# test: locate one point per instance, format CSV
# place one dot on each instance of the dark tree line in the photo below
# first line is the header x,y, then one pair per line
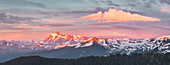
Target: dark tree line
x,y
134,59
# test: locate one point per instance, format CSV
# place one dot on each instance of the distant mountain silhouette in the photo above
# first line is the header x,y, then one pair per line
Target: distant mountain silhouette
x,y
66,46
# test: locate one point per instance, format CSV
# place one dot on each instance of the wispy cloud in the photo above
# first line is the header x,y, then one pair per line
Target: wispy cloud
x,y
113,15
127,27
99,24
165,1
165,10
10,19
14,28
21,3
55,25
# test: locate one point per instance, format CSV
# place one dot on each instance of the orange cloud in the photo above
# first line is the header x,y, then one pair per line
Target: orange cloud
x,y
113,15
119,34
165,10
54,20
70,21
50,19
19,26
89,8
23,35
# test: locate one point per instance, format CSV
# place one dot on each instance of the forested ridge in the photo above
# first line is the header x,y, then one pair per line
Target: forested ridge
x,y
118,59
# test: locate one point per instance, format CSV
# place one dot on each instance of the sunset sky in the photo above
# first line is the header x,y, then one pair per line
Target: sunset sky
x,y
36,19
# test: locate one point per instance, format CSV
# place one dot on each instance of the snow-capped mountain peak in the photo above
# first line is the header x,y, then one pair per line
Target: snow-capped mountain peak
x,y
63,38
164,37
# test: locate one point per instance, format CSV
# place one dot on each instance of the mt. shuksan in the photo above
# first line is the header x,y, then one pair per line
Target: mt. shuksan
x,y
64,39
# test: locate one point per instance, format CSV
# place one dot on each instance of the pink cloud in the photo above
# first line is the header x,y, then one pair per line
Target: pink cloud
x,y
89,8
165,10
113,15
23,35
70,21
19,26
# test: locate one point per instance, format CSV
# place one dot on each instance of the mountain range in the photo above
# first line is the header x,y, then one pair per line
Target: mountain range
x,y
74,46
